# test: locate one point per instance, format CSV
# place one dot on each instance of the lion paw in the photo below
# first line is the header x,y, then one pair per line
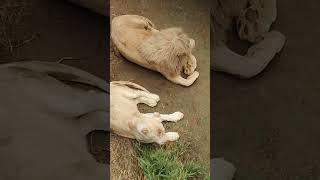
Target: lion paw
x,y
152,103
177,116
193,76
155,97
172,136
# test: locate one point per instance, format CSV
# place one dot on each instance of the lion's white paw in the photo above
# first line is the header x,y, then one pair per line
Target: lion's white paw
x,y
156,98
194,75
177,116
172,136
152,103
278,38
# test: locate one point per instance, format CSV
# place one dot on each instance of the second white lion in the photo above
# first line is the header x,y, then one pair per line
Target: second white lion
x,y
127,121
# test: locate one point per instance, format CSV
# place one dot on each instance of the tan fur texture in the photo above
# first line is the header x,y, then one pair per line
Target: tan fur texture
x,y
168,51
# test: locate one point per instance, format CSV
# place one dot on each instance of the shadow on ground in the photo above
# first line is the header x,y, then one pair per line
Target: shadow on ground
x,y
58,29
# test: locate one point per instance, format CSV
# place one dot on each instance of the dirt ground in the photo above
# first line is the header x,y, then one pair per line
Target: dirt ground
x,y
269,126
193,101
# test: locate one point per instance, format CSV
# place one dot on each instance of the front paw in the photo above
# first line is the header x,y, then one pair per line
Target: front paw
x,y
152,103
156,98
178,116
278,38
193,76
172,136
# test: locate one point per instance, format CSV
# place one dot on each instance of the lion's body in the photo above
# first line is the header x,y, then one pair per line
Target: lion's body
x,y
167,51
128,35
126,120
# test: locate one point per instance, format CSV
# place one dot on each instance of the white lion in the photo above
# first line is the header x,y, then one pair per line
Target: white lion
x,y
252,20
168,51
127,121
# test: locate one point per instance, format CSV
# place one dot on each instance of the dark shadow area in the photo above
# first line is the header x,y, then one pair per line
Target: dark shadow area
x,y
51,30
268,126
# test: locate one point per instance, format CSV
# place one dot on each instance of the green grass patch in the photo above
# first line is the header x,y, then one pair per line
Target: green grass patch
x,y
167,163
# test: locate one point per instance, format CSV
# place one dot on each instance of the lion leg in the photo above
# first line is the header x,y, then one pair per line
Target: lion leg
x,y
130,94
185,82
147,98
142,97
169,136
253,63
174,117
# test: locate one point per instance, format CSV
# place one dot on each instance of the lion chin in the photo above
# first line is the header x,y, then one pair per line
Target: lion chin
x,y
168,51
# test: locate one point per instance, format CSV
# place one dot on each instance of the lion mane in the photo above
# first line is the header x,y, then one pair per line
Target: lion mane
x,y
167,50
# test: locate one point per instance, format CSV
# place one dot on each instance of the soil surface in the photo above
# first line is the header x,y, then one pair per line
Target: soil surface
x,y
269,126
194,101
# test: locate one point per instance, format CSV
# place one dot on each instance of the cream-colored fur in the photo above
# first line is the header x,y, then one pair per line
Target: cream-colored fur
x,y
168,51
127,121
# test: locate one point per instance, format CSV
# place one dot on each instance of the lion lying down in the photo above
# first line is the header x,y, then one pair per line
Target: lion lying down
x,y
168,51
252,20
127,121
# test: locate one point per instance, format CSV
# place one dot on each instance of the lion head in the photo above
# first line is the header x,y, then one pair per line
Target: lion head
x,y
250,25
170,50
